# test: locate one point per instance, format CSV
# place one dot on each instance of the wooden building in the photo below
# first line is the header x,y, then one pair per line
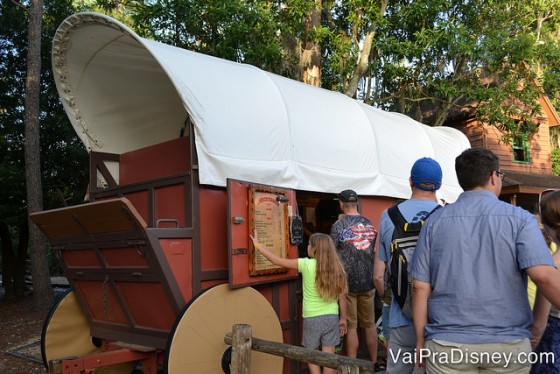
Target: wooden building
x,y
526,162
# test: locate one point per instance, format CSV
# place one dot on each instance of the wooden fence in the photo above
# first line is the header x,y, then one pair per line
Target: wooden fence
x,y
242,342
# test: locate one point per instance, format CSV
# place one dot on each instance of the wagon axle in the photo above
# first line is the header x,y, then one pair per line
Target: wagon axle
x,y
115,356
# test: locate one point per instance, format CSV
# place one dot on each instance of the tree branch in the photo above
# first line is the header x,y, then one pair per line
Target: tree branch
x,y
20,5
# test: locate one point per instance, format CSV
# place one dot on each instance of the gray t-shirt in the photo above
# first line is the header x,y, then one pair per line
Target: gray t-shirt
x,y
473,253
354,237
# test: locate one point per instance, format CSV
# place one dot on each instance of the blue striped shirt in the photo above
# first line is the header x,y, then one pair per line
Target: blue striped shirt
x,y
473,253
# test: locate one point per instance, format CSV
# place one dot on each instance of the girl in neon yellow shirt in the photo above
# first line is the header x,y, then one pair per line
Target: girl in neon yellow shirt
x,y
324,286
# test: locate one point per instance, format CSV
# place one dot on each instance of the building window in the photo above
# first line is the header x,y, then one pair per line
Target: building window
x,y
521,148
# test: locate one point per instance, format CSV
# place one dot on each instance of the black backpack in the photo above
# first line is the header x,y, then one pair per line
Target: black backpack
x,y
403,244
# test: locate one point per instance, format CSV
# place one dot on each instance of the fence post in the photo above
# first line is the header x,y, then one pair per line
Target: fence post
x,y
242,343
346,369
241,349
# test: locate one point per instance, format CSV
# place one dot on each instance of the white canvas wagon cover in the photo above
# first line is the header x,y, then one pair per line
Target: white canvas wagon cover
x,y
123,92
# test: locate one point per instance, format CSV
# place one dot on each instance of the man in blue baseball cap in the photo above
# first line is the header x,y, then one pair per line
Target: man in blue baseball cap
x,y
425,180
470,269
426,174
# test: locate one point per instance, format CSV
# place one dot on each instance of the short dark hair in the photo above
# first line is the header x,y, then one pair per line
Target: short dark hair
x,y
474,166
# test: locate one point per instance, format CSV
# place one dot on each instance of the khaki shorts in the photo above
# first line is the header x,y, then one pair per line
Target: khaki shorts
x,y
448,357
359,309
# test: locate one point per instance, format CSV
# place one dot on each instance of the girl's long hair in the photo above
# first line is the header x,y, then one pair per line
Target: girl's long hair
x,y
330,278
550,210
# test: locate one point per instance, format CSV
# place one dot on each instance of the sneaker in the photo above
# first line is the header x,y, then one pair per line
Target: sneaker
x,y
379,367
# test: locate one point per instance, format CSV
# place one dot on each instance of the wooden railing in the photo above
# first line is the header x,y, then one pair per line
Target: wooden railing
x,y
242,343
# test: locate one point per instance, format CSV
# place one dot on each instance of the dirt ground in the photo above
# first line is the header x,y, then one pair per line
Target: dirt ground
x,y
20,331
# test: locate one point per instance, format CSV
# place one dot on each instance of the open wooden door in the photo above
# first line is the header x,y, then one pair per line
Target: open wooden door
x,y
271,213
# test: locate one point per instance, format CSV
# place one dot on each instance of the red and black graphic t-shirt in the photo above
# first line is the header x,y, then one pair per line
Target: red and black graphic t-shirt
x,y
354,237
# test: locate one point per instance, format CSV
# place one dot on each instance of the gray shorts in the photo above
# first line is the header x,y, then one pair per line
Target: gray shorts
x,y
402,345
321,331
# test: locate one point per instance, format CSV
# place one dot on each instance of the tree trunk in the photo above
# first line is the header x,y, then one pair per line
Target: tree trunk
x,y
42,290
362,66
441,113
311,58
364,56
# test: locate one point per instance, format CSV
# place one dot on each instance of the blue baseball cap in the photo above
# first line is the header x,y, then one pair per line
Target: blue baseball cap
x,y
426,174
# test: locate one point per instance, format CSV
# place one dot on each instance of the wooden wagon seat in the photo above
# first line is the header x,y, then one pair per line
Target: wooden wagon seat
x,y
117,268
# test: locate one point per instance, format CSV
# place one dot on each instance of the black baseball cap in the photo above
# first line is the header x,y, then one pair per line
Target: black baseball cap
x,y
347,196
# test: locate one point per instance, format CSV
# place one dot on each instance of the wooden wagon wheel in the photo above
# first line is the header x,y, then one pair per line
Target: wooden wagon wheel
x,y
66,334
196,343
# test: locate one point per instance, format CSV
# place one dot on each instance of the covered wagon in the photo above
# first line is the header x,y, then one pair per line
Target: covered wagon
x,y
188,155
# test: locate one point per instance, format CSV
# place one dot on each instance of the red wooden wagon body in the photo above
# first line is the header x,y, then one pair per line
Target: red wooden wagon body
x,y
159,258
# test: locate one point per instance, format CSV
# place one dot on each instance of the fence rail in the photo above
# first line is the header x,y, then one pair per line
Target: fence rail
x,y
242,343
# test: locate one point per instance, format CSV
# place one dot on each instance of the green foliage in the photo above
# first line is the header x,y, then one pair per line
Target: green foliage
x,y
427,56
12,72
556,161
442,55
232,29
63,159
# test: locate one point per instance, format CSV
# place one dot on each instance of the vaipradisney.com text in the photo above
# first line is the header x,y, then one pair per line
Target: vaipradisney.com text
x,y
464,356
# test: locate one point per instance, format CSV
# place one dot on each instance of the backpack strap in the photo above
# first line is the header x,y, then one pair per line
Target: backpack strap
x,y
396,216
398,219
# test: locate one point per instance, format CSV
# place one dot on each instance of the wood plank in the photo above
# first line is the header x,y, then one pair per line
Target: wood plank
x,y
105,216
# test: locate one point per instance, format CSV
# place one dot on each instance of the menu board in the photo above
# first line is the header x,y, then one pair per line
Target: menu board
x,y
268,218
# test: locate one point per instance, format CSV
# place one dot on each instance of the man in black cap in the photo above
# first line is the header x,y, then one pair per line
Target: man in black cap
x,y
354,237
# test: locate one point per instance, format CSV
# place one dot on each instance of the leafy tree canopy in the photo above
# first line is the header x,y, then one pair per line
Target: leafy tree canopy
x,y
425,58
63,158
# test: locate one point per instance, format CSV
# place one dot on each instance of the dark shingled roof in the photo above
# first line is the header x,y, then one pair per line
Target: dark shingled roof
x,y
531,180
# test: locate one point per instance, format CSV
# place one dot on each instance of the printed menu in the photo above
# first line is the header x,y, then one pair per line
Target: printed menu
x,y
268,217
